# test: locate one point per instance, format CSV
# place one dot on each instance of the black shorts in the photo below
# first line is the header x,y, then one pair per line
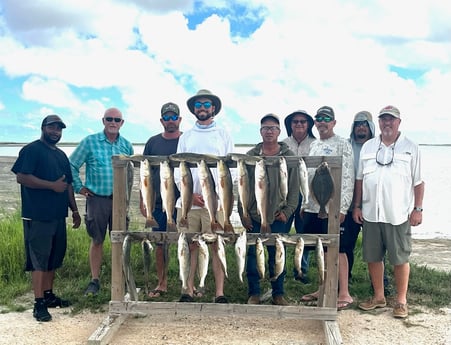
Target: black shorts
x,y
45,244
315,225
349,232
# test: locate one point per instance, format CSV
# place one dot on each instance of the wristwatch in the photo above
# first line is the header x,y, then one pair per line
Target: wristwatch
x,y
419,209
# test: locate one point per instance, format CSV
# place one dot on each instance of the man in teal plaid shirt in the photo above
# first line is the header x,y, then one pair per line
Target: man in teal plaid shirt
x,y
95,152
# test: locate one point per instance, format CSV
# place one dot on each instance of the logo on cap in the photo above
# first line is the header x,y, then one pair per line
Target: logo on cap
x,y
170,107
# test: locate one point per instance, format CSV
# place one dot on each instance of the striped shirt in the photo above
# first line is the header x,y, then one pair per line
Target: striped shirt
x,y
95,151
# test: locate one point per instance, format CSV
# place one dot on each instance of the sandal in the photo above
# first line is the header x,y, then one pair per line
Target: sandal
x,y
221,299
155,293
199,292
343,305
309,297
186,298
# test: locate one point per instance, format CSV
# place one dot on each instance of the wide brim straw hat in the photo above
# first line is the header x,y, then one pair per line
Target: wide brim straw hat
x,y
207,94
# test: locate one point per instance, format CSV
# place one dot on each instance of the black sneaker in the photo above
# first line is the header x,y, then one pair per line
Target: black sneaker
x,y
54,301
93,288
40,312
302,278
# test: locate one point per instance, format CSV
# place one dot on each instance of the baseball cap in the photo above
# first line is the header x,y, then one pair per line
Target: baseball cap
x,y
390,110
49,119
270,117
363,116
170,107
326,111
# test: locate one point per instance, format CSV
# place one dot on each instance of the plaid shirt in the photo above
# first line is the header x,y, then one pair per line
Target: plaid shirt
x,y
95,151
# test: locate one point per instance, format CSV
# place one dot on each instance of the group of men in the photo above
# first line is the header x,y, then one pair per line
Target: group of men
x,y
381,188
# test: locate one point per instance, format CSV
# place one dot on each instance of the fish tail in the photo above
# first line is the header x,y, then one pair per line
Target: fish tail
x,y
228,228
265,229
151,223
183,223
322,214
215,226
171,227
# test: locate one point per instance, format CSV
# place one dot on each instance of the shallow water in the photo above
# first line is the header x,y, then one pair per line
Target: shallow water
x,y
436,167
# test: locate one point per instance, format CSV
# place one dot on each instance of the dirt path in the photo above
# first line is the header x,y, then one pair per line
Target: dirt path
x,y
422,327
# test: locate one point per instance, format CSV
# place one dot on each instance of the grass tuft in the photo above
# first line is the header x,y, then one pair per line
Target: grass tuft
x,y
427,287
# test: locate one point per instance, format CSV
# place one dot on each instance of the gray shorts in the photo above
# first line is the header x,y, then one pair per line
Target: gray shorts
x,y
98,217
45,244
379,238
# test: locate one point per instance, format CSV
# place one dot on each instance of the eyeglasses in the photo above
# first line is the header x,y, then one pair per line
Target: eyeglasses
x,y
206,105
326,119
170,117
390,160
111,119
302,122
270,128
360,124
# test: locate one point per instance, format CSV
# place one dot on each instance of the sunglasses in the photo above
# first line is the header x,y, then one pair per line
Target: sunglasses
x,y
111,119
269,128
170,117
206,105
383,161
326,119
361,124
302,122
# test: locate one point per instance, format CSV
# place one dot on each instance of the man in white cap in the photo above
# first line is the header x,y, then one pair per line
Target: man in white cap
x,y
204,138
388,200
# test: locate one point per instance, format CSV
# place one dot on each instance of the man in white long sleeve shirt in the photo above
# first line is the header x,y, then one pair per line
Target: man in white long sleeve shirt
x,y
204,138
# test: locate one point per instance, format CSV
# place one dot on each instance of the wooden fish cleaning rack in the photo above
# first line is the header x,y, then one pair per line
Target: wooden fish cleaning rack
x,y
120,307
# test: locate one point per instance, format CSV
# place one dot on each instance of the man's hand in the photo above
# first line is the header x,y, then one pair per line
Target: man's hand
x,y
76,220
59,186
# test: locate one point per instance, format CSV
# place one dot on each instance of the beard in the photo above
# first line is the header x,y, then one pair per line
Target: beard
x,y
52,139
203,117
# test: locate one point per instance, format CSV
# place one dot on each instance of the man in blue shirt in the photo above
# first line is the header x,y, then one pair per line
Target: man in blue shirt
x,y
95,152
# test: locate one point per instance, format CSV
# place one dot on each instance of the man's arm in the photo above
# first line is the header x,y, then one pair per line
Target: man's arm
x,y
357,211
31,181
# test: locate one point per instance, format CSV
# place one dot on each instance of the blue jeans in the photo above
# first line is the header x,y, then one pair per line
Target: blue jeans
x,y
253,279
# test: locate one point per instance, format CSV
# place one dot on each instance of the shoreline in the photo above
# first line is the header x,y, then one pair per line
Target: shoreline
x,y
433,252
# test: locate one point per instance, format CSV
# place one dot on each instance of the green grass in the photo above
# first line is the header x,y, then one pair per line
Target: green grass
x,y
427,287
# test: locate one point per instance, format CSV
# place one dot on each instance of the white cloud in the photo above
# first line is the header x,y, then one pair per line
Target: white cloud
x,y
304,55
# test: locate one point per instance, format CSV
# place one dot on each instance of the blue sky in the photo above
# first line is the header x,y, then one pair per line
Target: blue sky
x,y
259,56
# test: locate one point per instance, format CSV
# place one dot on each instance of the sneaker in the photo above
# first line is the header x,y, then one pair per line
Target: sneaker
x,y
279,300
93,288
54,301
40,312
302,278
373,304
254,299
400,311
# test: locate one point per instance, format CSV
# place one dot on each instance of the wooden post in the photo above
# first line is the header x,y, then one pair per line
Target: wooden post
x,y
119,224
331,284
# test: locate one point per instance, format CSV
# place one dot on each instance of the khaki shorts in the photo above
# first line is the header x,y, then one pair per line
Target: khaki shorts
x,y
199,220
379,238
